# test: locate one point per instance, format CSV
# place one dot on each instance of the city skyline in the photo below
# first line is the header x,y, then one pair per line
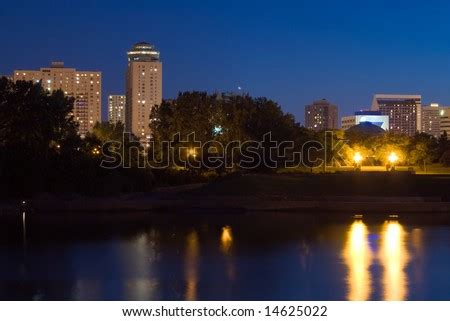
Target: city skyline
x,y
144,84
345,58
111,112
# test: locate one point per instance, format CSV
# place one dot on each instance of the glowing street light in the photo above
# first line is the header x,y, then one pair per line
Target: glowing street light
x,y
357,159
393,158
192,152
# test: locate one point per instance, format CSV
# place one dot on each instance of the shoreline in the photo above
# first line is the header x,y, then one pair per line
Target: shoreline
x,y
229,204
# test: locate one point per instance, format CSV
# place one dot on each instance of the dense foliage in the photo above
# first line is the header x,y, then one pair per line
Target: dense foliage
x,y
221,120
40,150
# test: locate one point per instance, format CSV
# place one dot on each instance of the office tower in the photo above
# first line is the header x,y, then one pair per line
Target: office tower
x,y
404,112
321,115
444,123
430,122
366,116
84,86
116,109
143,88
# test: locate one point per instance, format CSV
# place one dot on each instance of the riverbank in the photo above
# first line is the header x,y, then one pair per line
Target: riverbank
x,y
331,193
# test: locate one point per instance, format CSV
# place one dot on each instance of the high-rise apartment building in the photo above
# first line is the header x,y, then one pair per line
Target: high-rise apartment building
x,y
321,115
116,109
404,112
84,86
143,88
430,120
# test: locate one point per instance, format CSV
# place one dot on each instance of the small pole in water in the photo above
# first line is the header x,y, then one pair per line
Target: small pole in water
x,y
24,227
24,222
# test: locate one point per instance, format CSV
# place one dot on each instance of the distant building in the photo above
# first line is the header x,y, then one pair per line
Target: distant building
x,y
366,116
430,120
321,115
116,109
348,121
404,112
143,88
84,86
444,123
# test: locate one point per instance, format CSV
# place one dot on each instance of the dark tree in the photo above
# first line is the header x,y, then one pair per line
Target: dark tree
x,y
222,118
34,128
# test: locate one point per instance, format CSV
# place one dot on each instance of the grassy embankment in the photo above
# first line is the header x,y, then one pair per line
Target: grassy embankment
x,y
292,185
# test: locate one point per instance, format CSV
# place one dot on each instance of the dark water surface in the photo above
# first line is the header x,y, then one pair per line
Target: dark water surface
x,y
260,257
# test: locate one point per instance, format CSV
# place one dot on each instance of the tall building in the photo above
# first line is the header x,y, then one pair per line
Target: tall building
x,y
366,116
321,115
444,115
430,120
143,88
404,112
116,109
84,86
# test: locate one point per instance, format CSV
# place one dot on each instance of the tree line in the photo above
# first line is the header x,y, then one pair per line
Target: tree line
x,y
41,151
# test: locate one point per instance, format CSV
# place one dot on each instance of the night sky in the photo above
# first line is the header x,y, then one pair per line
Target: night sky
x,y
290,51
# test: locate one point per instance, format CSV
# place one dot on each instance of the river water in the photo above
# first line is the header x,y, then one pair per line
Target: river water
x,y
227,258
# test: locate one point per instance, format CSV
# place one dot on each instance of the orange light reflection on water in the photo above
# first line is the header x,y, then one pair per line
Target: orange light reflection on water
x,y
394,257
191,266
358,258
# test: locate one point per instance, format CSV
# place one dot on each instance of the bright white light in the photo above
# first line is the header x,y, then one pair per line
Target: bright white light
x,y
357,158
393,158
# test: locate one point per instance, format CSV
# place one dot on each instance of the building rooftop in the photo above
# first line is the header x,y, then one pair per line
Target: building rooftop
x,y
367,112
57,64
143,51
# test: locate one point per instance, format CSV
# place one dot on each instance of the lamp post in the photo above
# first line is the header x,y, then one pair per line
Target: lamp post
x,y
392,158
357,159
192,152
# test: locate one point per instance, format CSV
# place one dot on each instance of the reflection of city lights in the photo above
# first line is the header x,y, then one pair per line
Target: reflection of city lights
x,y
226,242
191,270
226,239
143,254
358,257
394,257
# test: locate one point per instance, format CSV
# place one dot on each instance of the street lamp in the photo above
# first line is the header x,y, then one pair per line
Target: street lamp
x,y
393,158
192,152
357,159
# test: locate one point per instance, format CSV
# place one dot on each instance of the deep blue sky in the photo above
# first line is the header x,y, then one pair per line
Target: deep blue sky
x,y
290,51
